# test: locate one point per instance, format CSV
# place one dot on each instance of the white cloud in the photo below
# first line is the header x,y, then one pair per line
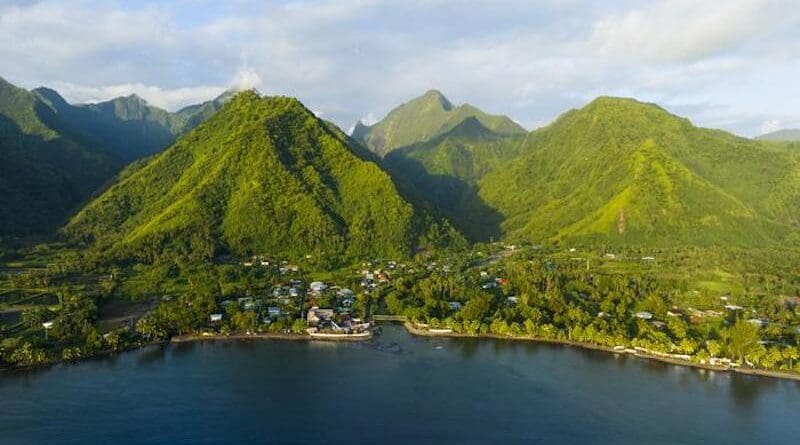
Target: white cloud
x,y
369,119
245,78
770,126
679,30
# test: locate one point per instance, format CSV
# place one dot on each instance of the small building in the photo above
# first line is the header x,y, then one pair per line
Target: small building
x,y
733,307
316,315
644,315
247,303
47,324
454,305
273,311
758,322
215,318
512,300
318,286
676,312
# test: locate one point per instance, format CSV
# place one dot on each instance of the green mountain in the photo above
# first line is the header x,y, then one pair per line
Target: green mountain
x,y
423,118
46,171
621,171
55,154
445,171
781,135
263,175
128,127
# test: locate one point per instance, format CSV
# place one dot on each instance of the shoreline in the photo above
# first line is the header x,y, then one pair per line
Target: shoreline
x,y
413,330
265,336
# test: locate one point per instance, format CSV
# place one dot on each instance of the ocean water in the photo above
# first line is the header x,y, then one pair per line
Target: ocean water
x,y
395,389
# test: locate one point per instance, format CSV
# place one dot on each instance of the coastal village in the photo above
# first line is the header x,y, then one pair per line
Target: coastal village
x,y
480,293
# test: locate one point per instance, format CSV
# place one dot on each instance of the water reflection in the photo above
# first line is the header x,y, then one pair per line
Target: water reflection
x,y
150,355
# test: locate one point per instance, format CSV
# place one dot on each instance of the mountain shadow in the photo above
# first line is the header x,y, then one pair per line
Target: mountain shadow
x,y
450,196
42,180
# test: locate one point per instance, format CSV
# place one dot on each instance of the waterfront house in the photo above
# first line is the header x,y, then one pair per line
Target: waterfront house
x,y
316,315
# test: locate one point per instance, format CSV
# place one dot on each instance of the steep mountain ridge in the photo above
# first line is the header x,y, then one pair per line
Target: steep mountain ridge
x,y
622,171
55,154
263,175
45,173
423,118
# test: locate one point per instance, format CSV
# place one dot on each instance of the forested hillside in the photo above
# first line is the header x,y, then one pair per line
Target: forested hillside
x,y
45,173
625,172
56,154
423,118
262,176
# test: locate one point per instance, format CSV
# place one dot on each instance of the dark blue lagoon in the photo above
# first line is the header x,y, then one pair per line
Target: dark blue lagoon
x,y
395,389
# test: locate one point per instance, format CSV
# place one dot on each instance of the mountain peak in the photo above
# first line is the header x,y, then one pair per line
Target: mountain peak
x,y
436,96
472,128
51,97
187,194
623,114
133,97
424,118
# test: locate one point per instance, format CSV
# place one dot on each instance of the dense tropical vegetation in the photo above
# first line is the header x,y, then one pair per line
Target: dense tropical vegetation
x,y
55,154
262,176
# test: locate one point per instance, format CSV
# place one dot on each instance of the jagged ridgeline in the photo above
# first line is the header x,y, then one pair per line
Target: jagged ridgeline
x,y
423,118
44,171
624,172
262,176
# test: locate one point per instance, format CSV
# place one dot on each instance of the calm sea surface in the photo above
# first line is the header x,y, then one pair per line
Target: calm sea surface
x,y
396,389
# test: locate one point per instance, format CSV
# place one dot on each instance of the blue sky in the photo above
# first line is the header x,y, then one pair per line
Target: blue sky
x,y
726,64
